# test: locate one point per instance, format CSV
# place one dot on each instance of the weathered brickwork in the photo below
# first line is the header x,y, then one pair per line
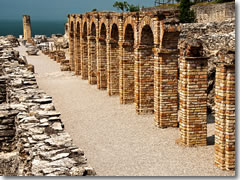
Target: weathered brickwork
x,y
92,61
116,49
136,56
225,116
84,51
193,95
71,45
77,51
102,65
166,89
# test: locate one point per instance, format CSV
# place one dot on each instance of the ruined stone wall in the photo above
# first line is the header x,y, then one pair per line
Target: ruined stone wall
x,y
214,36
204,13
214,12
33,141
3,90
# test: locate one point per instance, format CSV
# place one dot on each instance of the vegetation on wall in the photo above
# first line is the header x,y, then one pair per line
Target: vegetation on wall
x,y
186,14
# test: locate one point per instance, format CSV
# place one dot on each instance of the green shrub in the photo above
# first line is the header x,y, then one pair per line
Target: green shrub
x,y
186,14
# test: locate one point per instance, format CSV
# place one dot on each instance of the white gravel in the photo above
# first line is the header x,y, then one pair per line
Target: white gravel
x,y
117,141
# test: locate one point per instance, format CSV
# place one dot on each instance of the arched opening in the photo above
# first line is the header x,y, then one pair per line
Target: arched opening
x,y
92,63
127,67
102,60
84,62
71,46
113,62
78,52
145,73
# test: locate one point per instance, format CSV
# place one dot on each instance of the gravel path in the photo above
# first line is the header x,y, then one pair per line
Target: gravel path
x,y
116,141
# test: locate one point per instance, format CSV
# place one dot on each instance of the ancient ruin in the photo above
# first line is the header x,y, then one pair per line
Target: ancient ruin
x,y
182,74
33,141
135,56
27,28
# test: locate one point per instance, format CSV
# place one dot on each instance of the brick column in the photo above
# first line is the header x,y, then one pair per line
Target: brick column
x,y
113,68
144,80
225,117
84,61
77,55
127,74
166,88
92,60
193,94
102,65
71,48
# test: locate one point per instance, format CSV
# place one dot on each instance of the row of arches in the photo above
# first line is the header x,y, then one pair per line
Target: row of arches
x,y
113,62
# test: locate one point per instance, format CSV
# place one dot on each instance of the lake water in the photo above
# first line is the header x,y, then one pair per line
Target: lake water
x,y
15,27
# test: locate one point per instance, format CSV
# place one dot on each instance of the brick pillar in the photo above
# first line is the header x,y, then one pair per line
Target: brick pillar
x,y
225,117
166,88
144,80
78,65
127,74
71,48
102,65
74,44
76,53
193,94
113,69
84,61
92,60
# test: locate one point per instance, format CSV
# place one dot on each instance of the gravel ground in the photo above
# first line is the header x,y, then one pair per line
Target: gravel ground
x,y
117,141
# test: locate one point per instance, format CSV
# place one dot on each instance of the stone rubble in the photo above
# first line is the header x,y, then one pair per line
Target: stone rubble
x,y
32,137
214,36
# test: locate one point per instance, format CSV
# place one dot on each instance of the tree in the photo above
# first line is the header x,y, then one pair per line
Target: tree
x,y
121,5
186,14
125,6
94,9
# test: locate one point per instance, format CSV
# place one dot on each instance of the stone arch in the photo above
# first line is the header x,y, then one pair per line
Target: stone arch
x,y
71,26
102,59
147,22
113,61
147,38
127,67
129,21
84,62
84,30
114,33
92,61
145,72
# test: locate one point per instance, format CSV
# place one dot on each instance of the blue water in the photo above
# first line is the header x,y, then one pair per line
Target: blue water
x,y
15,27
